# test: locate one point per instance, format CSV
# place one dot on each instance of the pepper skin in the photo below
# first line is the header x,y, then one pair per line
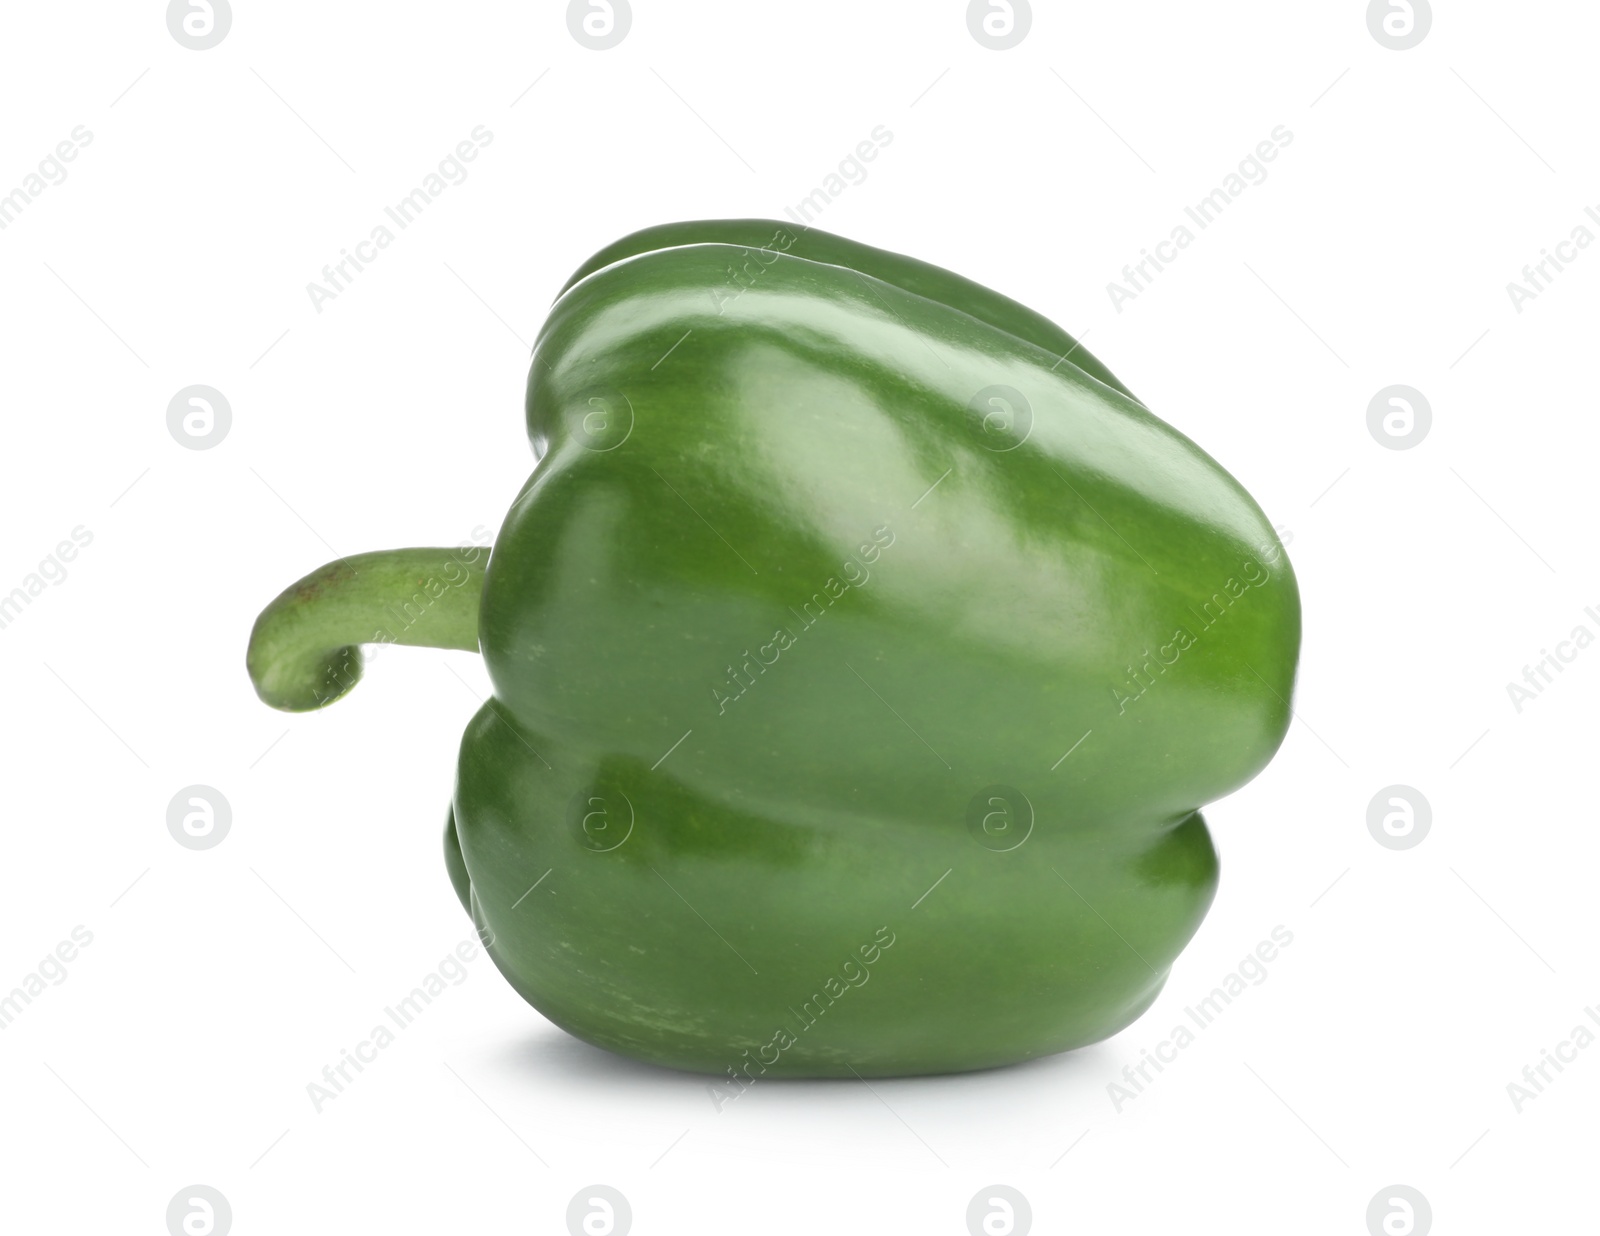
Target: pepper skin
x,y
862,652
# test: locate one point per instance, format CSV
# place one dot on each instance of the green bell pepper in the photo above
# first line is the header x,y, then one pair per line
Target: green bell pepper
x,y
862,650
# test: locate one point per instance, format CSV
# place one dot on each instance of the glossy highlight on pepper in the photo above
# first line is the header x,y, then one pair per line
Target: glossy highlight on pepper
x,y
863,651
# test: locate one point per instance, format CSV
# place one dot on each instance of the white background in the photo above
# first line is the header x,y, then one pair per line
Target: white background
x,y
1420,982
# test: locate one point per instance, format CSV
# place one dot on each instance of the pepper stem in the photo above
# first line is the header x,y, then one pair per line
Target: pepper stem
x,y
305,647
